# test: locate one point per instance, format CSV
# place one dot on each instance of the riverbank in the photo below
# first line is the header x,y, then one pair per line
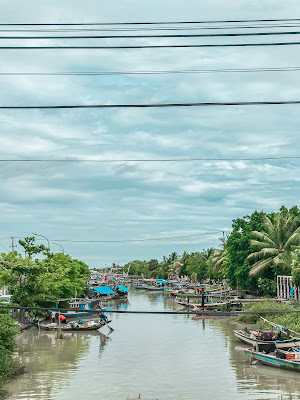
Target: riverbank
x,y
289,320
10,367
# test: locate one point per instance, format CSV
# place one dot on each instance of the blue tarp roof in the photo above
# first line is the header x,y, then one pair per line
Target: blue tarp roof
x,y
103,290
123,288
161,281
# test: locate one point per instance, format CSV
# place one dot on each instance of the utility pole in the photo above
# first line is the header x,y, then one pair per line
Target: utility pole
x,y
13,245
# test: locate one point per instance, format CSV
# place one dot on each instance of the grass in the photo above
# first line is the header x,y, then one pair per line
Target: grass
x,y
289,320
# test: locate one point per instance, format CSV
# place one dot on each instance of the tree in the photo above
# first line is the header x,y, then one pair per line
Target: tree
x,y
31,248
238,246
42,282
275,243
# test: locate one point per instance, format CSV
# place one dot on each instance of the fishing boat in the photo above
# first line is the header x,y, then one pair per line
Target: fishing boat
x,y
267,354
70,327
253,337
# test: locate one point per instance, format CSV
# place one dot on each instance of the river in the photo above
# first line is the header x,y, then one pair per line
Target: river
x,y
160,356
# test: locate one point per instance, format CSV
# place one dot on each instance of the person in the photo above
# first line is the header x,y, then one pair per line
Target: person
x,y
62,319
53,316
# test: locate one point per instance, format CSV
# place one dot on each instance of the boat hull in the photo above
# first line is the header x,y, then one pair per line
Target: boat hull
x,y
67,328
270,360
284,344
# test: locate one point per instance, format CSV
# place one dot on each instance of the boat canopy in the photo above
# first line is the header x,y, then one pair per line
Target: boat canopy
x,y
123,288
103,290
161,281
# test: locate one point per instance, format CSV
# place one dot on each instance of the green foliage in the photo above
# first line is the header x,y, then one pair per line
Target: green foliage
x,y
42,282
198,265
274,244
8,366
290,320
238,246
31,248
296,276
267,286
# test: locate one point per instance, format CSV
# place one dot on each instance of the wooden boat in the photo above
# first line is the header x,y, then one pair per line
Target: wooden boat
x,y
155,289
276,358
254,337
72,327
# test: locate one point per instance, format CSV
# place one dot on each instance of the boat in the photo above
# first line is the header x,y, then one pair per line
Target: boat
x,y
253,337
267,354
70,327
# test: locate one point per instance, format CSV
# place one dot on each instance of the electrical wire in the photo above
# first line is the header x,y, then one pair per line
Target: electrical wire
x,y
133,240
177,160
188,71
201,35
153,105
154,22
188,28
200,312
4,247
148,46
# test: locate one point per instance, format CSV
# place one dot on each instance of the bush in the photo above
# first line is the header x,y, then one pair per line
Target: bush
x,y
290,320
9,367
296,276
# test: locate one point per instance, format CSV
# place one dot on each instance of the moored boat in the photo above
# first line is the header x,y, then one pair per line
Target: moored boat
x,y
254,337
269,355
70,327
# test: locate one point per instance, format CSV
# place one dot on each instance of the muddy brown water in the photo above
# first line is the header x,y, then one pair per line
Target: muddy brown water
x,y
159,356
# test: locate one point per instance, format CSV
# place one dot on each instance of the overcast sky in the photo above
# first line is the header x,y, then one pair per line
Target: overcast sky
x,y
120,201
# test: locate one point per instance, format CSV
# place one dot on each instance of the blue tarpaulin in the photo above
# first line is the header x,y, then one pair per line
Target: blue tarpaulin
x,y
161,281
123,288
103,290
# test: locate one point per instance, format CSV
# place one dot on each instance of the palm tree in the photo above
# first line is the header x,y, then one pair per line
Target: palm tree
x,y
275,244
219,257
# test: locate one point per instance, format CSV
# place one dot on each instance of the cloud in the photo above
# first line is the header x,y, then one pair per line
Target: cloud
x,y
140,200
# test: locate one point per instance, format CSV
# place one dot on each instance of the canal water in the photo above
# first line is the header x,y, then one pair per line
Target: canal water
x,y
159,356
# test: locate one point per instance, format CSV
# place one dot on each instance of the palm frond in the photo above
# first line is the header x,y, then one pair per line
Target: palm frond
x,y
293,240
259,245
260,266
264,237
257,255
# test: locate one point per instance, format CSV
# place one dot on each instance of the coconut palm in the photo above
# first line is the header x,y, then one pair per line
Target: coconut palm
x,y
219,257
275,244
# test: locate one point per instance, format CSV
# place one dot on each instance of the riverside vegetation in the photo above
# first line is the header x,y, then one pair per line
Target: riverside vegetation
x,y
34,282
259,247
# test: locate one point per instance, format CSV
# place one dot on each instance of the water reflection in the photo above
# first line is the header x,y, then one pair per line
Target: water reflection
x,y
49,361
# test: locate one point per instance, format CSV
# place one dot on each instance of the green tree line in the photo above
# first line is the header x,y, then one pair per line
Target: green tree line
x,y
259,247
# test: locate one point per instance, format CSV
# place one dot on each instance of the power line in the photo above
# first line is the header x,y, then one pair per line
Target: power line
x,y
148,46
4,247
198,312
154,105
150,160
186,28
179,35
135,240
153,22
188,71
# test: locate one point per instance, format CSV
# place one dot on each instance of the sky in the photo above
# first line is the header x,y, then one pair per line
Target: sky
x,y
89,202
